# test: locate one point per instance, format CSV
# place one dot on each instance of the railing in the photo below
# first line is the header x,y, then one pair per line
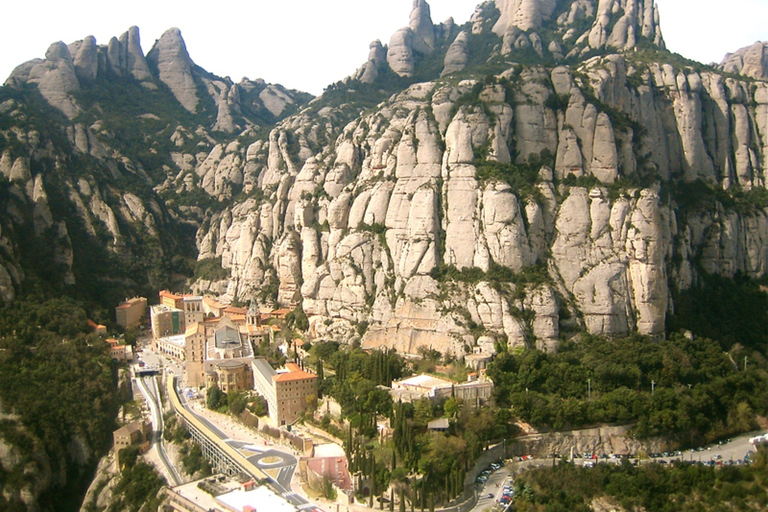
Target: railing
x,y
228,455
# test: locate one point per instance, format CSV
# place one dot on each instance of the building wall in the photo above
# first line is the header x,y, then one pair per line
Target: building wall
x,y
167,347
195,356
131,312
266,388
167,321
292,399
117,352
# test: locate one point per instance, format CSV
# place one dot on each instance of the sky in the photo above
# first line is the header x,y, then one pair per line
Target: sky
x,y
309,44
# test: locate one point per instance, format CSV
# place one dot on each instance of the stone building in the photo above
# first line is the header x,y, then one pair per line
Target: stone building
x,y
131,312
476,391
229,375
286,391
128,435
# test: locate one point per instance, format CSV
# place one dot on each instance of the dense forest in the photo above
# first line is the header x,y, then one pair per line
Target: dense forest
x,y
58,388
653,487
686,388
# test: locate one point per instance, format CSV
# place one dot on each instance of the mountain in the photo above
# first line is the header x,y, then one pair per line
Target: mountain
x,y
99,149
545,170
556,136
751,61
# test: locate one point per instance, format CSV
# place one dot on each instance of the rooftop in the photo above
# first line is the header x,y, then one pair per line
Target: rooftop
x,y
439,424
132,302
260,498
264,368
425,381
179,340
198,328
229,363
213,303
134,426
162,308
227,337
291,375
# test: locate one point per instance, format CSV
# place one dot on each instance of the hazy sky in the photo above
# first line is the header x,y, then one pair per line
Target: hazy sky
x,y
308,44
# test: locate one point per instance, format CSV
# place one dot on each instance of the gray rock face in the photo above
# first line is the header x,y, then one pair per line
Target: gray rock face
x,y
170,57
522,14
619,24
377,58
422,27
55,78
400,53
751,61
457,55
363,224
86,59
419,37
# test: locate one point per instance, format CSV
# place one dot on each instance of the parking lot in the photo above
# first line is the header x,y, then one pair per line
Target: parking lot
x,y
496,487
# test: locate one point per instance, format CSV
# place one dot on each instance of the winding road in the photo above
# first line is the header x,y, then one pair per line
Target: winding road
x,y
266,460
148,388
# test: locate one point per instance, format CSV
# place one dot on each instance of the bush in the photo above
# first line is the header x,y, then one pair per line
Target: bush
x,y
210,269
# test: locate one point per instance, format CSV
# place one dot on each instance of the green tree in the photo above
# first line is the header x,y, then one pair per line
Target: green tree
x,y
215,398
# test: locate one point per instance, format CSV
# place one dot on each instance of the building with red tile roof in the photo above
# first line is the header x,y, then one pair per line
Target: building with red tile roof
x,y
286,392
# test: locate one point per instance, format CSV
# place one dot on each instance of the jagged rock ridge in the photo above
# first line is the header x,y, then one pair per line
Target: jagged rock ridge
x,y
561,175
359,228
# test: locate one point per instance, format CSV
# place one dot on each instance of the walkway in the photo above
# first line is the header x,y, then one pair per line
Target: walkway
x,y
270,465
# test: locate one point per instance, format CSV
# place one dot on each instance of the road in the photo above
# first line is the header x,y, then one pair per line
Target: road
x,y
148,388
490,492
266,459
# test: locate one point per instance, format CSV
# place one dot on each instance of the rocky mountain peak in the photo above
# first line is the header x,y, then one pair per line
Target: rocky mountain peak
x,y
618,24
169,56
523,14
751,61
421,25
554,31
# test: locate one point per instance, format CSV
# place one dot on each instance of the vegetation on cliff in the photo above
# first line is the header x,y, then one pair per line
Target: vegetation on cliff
x,y
678,488
59,385
687,389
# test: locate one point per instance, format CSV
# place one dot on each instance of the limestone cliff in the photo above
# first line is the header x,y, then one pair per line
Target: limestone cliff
x,y
88,187
559,189
545,168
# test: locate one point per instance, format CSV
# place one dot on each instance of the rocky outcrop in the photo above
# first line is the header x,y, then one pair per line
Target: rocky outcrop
x,y
606,440
522,206
400,52
522,14
422,27
169,56
457,55
418,37
427,182
751,61
377,59
67,68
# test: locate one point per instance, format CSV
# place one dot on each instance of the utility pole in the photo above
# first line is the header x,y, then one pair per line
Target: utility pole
x,y
653,386
745,363
589,389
